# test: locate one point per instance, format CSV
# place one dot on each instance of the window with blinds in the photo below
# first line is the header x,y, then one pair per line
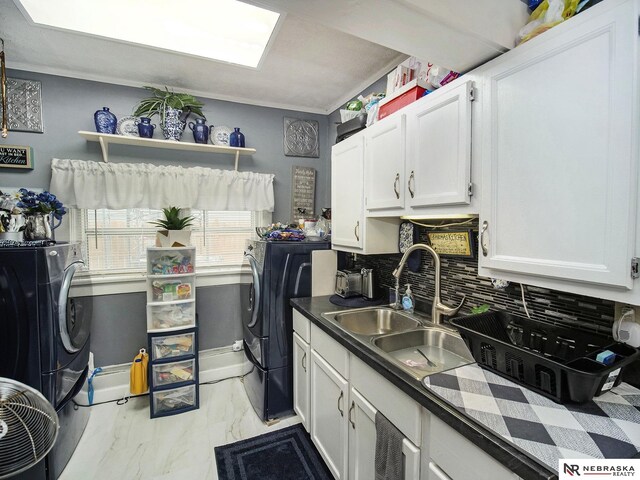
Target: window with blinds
x,y
115,241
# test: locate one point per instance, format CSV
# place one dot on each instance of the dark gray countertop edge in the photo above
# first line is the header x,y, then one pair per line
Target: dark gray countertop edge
x,y
505,453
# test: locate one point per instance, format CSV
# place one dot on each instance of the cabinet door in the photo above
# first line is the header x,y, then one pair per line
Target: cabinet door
x,y
362,443
362,438
439,148
560,156
329,403
347,162
301,379
384,164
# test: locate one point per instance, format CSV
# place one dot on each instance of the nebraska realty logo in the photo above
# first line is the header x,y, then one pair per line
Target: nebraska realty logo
x,y
592,468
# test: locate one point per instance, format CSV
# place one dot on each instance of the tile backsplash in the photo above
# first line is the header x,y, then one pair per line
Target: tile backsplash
x,y
459,276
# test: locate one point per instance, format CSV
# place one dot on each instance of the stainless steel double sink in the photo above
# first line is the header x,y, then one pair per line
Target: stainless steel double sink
x,y
411,342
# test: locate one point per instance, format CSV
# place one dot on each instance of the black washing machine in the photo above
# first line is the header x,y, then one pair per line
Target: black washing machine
x,y
280,271
44,339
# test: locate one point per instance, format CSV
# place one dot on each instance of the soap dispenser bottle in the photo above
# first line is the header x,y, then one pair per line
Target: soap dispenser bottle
x,y
408,302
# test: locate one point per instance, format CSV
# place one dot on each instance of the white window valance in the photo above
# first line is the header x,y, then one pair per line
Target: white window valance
x,y
87,184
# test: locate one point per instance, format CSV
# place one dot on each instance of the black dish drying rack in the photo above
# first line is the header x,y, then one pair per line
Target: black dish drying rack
x,y
555,361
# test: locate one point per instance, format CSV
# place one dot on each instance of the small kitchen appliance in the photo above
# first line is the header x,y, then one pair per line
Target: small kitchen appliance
x,y
348,283
368,283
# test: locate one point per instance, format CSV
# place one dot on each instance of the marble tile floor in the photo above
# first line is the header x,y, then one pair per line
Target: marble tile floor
x,y
123,443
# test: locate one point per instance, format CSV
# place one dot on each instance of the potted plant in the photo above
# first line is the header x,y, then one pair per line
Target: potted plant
x,y
173,109
173,233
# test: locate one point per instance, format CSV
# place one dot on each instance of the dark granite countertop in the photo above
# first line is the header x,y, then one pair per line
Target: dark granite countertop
x,y
522,464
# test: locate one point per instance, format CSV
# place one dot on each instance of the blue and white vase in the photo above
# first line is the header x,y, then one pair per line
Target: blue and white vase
x,y
200,131
173,126
236,139
145,129
106,122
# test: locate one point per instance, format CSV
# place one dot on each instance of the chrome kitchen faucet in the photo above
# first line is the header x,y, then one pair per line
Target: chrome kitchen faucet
x,y
438,309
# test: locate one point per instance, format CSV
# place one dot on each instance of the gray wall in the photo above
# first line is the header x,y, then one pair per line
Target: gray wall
x,y
118,328
68,105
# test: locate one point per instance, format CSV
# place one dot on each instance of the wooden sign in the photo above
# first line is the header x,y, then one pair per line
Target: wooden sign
x,y
303,191
458,243
16,156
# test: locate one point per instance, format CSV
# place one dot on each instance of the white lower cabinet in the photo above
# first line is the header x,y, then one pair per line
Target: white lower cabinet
x,y
362,443
446,463
301,353
329,401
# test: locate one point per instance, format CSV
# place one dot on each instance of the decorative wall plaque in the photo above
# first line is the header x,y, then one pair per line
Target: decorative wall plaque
x,y
24,105
301,138
303,190
458,243
16,156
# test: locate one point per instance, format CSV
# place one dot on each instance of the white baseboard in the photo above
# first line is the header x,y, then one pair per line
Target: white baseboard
x,y
113,382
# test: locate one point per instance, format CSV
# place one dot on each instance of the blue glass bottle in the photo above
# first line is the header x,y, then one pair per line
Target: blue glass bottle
x,y
236,139
105,121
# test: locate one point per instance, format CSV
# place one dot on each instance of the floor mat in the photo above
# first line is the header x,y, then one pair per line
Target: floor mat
x,y
285,454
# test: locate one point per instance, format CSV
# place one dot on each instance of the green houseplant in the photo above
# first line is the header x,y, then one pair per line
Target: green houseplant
x,y
173,233
172,108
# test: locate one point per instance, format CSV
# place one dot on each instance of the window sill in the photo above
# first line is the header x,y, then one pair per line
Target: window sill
x,y
94,285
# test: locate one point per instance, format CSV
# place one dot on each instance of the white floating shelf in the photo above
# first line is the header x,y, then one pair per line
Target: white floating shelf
x,y
104,139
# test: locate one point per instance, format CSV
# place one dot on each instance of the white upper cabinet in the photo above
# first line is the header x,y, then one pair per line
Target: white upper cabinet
x,y
384,164
347,213
438,166
350,230
560,153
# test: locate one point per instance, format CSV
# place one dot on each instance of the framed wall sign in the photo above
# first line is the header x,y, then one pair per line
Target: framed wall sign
x,y
457,243
303,190
16,156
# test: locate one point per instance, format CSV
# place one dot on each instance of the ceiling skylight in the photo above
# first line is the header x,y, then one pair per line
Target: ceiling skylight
x,y
223,30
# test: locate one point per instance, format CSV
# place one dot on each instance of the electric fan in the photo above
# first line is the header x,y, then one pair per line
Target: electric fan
x,y
28,427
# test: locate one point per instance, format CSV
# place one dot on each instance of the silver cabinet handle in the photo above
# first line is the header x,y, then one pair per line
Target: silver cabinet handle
x,y
351,409
340,409
411,180
304,363
396,184
356,230
485,250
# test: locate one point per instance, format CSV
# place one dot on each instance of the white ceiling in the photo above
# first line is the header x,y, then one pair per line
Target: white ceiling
x,y
322,54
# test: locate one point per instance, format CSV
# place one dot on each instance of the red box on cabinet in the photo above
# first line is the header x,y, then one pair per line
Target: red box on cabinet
x,y
406,95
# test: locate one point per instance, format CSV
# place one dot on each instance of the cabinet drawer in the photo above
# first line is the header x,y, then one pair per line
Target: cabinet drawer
x,y
179,314
398,407
301,326
334,353
170,401
173,372
169,346
445,445
170,289
165,261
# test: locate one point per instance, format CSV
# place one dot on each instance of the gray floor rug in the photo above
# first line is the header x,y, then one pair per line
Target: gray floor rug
x,y
286,454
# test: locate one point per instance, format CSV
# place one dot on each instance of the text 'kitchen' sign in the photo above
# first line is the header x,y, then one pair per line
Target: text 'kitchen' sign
x,y
15,156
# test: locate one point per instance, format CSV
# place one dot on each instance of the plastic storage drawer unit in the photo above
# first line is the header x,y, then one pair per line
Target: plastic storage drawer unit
x,y
179,314
174,400
171,346
173,372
